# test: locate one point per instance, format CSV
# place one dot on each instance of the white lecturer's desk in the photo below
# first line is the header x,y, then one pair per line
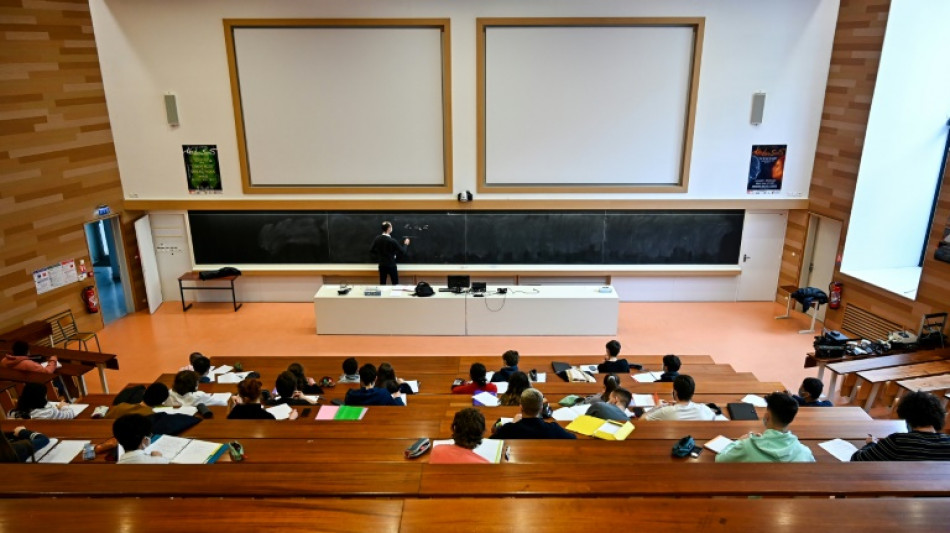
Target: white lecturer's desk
x,y
524,310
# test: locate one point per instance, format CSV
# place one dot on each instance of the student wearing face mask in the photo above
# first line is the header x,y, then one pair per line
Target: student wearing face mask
x,y
774,445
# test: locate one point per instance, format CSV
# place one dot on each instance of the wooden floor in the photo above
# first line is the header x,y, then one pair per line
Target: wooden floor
x,y
744,335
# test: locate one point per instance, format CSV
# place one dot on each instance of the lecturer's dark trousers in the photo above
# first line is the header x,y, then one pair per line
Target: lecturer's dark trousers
x,y
388,270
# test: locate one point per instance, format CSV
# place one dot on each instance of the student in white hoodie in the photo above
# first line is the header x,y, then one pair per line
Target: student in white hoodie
x,y
134,433
185,391
32,403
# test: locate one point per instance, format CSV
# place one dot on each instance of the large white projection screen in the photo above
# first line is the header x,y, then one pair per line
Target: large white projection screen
x,y
332,106
588,105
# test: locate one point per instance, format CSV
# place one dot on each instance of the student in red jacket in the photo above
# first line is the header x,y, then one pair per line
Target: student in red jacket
x,y
20,360
478,383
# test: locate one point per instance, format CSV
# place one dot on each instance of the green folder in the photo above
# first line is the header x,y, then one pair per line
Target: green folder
x,y
349,412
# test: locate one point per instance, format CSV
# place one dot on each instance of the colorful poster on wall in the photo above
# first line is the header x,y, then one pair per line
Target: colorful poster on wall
x,y
201,168
766,168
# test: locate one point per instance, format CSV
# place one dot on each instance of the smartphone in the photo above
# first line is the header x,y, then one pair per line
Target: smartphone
x,y
305,413
697,451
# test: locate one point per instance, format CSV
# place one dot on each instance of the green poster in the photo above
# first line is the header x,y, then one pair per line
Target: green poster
x,y
201,168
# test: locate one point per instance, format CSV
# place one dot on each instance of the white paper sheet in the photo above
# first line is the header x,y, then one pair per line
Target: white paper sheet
x,y
490,449
196,452
720,418
589,368
413,384
643,400
718,444
221,398
757,401
486,399
502,387
220,369
183,410
568,414
506,420
232,377
76,408
46,364
542,377
841,449
489,375
280,411
312,398
169,445
64,452
647,377
610,428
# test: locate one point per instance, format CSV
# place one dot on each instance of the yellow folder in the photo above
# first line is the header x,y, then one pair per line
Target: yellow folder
x,y
600,428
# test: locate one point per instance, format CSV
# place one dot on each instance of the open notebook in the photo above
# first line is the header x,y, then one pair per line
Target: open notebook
x,y
186,451
490,449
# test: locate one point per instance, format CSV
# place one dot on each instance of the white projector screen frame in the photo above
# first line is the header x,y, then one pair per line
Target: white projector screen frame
x,y
342,105
586,105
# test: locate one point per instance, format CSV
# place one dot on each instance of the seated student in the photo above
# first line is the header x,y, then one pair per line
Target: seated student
x,y
20,445
614,408
468,426
613,365
477,373
185,391
32,403
528,424
155,395
925,417
350,371
809,394
202,367
682,407
385,373
511,359
369,395
134,433
248,406
611,382
20,359
671,368
287,391
304,384
774,445
517,383
191,361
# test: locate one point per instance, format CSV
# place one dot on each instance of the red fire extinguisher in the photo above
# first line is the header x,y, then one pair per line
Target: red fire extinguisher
x,y
834,296
90,299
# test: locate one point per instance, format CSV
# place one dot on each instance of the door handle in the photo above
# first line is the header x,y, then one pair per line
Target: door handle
x,y
745,258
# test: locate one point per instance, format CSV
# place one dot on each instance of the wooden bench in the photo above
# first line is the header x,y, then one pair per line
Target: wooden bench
x,y
926,384
201,286
884,375
847,368
423,515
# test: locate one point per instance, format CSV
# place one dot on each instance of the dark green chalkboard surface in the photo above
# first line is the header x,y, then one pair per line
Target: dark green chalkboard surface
x,y
481,237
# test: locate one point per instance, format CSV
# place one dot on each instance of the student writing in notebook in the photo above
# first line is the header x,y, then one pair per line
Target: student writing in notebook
x,y
774,445
614,408
134,433
367,394
511,358
809,394
385,373
247,404
683,407
923,440
528,424
32,403
305,384
478,382
287,391
468,426
185,392
517,383
611,382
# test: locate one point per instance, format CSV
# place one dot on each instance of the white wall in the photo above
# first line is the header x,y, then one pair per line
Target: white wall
x,y
905,139
149,47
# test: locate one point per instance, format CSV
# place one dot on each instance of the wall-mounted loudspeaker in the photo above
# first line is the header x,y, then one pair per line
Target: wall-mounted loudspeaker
x,y
465,196
758,108
171,109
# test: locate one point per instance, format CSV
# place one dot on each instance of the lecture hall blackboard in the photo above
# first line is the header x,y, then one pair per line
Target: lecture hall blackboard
x,y
480,237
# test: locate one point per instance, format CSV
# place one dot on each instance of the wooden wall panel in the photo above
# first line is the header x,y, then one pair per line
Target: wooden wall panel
x,y
57,159
855,58
791,270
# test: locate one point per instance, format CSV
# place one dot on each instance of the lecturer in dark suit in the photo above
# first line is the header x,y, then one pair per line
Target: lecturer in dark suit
x,y
386,250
